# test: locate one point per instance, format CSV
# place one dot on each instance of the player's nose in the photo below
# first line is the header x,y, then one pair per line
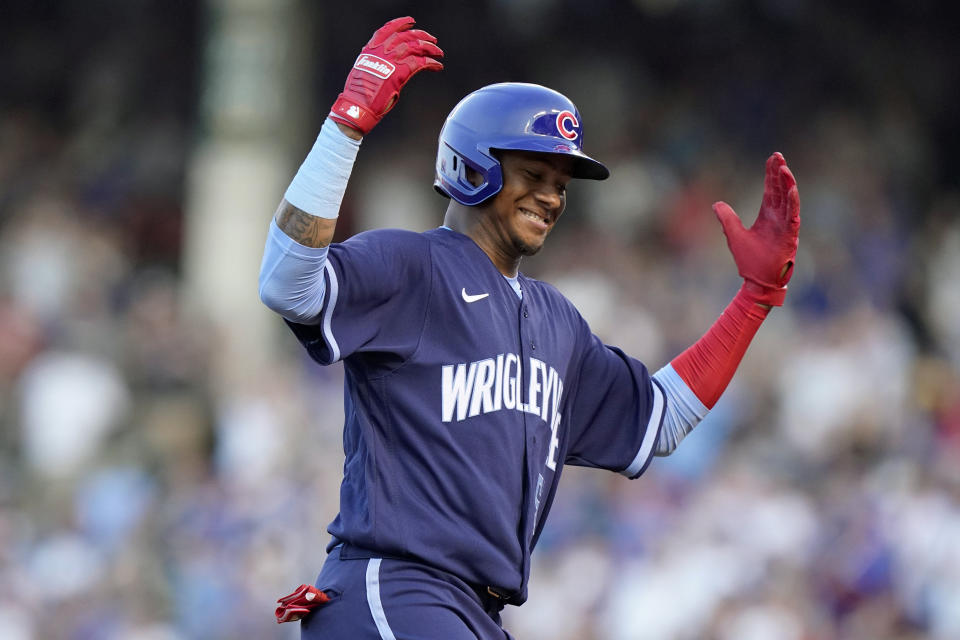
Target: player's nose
x,y
551,200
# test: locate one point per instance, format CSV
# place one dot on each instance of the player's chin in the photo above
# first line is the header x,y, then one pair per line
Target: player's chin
x,y
528,247
528,241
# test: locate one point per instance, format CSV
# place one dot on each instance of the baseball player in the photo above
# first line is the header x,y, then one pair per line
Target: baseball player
x,y
468,385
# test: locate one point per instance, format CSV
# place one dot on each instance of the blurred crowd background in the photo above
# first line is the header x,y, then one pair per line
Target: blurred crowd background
x,y
169,458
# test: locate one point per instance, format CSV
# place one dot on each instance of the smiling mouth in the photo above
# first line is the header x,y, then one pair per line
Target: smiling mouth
x,y
534,216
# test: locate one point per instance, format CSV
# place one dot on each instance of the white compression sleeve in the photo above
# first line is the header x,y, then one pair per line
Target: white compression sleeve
x,y
321,181
291,275
683,412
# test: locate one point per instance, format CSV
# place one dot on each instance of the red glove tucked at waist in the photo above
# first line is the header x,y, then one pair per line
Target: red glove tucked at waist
x,y
394,54
302,601
765,252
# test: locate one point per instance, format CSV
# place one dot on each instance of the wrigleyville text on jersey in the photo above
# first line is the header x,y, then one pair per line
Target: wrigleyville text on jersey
x,y
495,384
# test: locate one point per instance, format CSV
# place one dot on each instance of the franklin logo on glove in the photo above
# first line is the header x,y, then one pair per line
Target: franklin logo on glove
x,y
372,64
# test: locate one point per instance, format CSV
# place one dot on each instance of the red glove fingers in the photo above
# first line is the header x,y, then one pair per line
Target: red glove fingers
x,y
393,55
765,252
393,26
420,34
302,601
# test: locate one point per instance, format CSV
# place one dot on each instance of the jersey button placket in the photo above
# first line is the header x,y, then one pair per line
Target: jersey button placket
x,y
529,429
526,314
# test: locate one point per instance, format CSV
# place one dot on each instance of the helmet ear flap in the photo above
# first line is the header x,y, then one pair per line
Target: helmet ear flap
x,y
452,177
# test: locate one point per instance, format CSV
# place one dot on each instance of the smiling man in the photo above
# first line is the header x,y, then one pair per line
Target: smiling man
x,y
468,386
516,221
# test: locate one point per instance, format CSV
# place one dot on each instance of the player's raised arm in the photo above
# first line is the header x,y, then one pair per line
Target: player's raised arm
x,y
394,54
291,281
764,255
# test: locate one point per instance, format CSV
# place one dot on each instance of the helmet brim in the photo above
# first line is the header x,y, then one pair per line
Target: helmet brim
x,y
584,167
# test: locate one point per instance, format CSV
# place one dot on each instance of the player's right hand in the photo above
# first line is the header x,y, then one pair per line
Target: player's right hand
x,y
765,252
394,54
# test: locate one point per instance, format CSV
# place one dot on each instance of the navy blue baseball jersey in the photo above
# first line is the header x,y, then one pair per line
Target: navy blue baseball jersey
x,y
463,402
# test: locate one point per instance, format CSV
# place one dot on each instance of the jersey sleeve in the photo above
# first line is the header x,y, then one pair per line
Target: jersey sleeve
x,y
617,412
377,286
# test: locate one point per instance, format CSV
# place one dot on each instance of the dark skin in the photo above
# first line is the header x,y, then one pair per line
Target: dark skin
x,y
516,221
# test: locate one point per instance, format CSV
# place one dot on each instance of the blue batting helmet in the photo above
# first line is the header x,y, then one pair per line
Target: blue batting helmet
x,y
509,116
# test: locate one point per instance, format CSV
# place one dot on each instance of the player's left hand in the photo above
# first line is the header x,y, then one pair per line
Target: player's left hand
x,y
765,252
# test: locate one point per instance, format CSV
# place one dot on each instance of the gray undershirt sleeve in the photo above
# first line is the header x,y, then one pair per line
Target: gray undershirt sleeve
x,y
683,411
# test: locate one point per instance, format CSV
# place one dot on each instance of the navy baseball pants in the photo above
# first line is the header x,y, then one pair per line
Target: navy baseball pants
x,y
375,598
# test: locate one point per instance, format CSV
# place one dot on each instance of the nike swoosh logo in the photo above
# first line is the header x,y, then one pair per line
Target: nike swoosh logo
x,y
472,298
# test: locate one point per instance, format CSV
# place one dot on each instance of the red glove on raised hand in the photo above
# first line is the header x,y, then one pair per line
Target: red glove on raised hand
x,y
765,252
394,54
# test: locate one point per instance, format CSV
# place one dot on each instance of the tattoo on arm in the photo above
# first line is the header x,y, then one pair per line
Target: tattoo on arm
x,y
308,230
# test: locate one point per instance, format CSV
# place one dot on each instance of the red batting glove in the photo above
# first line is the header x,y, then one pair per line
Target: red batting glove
x,y
394,54
302,601
765,252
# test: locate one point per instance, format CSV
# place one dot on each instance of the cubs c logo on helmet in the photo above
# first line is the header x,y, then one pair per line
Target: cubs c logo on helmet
x,y
566,125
